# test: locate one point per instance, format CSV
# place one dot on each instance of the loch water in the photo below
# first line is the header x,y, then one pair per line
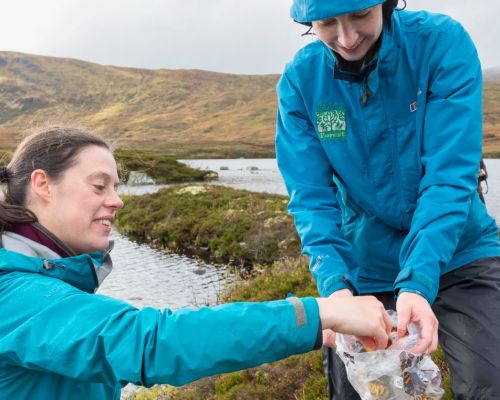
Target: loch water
x,y
144,276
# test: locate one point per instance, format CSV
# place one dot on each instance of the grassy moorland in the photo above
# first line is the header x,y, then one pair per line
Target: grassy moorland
x,y
181,113
246,229
491,119
213,222
178,113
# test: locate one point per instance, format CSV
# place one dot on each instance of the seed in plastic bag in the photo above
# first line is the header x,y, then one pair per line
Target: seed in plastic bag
x,y
427,396
413,384
379,389
408,383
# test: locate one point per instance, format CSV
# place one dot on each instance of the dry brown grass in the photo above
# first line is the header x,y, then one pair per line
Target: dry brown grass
x,y
180,113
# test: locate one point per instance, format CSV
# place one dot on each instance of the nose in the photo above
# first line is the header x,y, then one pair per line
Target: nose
x,y
347,34
114,201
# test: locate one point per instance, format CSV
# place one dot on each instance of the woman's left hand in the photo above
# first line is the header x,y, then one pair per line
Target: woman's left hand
x,y
412,307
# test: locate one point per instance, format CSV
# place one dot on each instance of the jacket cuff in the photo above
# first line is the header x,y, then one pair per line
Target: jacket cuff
x,y
410,280
319,337
307,319
337,282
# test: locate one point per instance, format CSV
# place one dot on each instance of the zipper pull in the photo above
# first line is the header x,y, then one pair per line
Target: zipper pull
x,y
366,92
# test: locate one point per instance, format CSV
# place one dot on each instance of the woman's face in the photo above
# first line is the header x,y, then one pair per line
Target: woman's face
x,y
82,203
351,35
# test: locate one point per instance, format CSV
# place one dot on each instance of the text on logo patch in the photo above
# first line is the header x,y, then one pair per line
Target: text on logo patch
x,y
331,121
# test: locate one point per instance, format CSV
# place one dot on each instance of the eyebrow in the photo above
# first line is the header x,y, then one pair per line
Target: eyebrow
x,y
105,176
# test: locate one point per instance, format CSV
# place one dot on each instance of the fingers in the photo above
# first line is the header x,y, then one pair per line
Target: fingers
x,y
435,342
387,321
369,343
426,331
381,335
381,338
329,338
412,307
429,340
404,314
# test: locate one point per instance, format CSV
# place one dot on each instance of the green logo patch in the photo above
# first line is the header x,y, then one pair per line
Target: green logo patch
x,y
331,121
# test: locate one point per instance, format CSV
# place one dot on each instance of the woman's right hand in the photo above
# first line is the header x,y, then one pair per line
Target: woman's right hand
x,y
362,316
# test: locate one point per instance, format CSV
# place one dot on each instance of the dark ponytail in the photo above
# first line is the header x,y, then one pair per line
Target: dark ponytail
x,y
54,150
388,8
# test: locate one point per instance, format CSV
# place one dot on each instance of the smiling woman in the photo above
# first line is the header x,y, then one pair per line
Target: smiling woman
x,y
379,144
80,206
351,35
59,340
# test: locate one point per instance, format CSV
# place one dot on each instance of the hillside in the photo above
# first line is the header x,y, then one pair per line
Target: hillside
x,y
185,113
181,113
491,119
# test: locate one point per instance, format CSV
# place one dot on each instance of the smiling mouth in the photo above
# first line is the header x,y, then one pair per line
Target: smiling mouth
x,y
106,222
351,49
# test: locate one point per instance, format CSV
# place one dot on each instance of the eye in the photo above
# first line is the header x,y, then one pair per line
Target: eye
x,y
99,188
360,15
327,22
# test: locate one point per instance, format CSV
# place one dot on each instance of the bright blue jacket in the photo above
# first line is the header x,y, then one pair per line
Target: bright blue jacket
x,y
58,340
384,193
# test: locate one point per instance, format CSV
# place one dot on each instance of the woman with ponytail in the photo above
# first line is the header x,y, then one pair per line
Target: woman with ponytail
x,y
60,340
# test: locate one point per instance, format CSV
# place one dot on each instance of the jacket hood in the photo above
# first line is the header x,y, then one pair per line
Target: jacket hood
x,y
85,271
313,10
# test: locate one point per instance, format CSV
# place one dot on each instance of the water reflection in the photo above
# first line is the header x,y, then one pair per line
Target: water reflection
x,y
268,179
144,276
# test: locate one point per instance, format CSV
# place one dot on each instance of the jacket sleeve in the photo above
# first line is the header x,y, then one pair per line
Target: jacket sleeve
x,y
451,151
53,327
308,177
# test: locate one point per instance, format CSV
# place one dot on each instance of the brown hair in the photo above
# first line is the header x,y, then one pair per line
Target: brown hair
x,y
52,149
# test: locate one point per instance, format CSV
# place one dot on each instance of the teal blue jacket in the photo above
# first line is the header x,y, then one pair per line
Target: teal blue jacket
x,y
382,173
59,340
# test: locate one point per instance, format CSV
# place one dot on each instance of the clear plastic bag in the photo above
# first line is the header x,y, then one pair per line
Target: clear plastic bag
x,y
391,374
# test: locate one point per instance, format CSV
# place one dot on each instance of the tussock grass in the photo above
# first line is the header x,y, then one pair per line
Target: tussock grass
x,y
220,224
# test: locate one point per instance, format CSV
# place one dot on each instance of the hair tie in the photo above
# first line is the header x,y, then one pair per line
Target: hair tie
x,y
4,174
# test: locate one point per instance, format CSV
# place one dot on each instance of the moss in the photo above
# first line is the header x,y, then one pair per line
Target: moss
x,y
161,168
217,223
227,382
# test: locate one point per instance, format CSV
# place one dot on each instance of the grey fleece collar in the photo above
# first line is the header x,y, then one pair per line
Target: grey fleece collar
x,y
27,247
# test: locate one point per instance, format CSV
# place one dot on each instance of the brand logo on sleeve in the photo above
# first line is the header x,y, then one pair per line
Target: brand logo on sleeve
x,y
331,121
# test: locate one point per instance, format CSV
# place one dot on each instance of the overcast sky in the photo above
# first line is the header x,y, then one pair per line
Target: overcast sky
x,y
249,37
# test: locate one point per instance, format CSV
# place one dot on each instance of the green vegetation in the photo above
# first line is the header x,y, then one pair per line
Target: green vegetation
x,y
213,222
250,229
298,377
161,168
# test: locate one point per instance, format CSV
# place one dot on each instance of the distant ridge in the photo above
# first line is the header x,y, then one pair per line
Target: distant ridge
x,y
185,113
181,113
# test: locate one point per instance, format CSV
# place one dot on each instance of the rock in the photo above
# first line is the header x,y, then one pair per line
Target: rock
x,y
212,175
192,190
137,178
224,168
200,271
